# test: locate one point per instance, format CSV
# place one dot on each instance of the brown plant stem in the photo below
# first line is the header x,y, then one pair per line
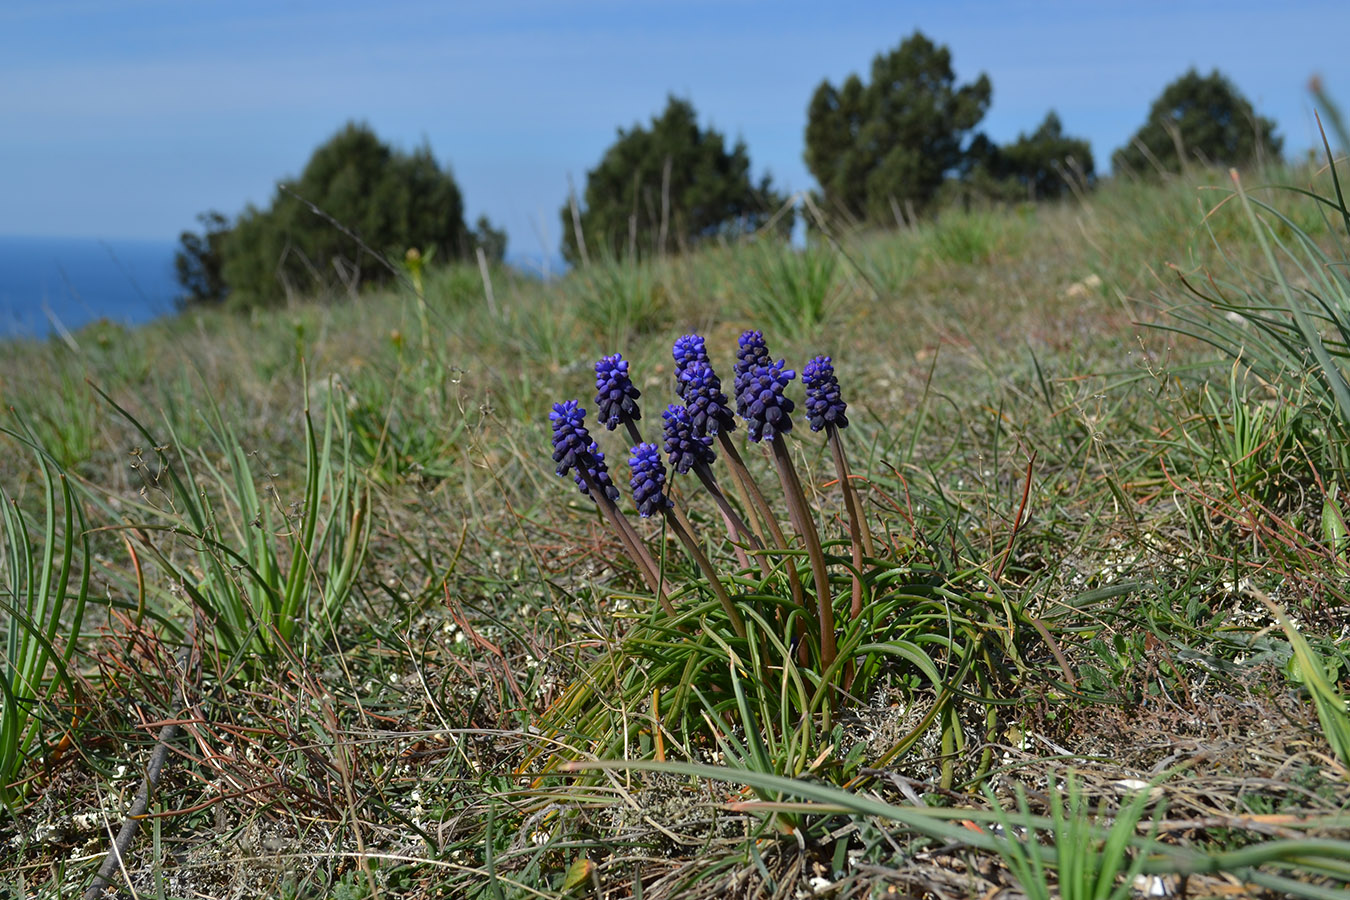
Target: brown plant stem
x,y
851,492
857,527
706,566
633,431
637,550
117,853
743,477
801,519
736,527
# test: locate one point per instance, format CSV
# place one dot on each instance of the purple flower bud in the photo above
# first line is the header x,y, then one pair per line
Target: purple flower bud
x,y
685,447
615,396
751,351
824,406
574,451
688,349
649,480
709,408
767,412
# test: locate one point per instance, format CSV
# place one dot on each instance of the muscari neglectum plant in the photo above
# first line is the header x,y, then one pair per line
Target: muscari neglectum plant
x,y
772,646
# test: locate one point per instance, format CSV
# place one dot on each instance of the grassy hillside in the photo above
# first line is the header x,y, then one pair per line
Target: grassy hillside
x,y
320,554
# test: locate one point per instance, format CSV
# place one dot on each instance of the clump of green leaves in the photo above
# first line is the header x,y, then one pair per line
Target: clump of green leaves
x,y
41,609
260,566
755,650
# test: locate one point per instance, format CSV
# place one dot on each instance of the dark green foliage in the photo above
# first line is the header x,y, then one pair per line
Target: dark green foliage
x,y
1042,163
708,191
357,197
197,263
492,240
876,147
1199,119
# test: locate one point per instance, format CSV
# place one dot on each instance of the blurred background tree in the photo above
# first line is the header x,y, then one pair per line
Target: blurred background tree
x,y
490,238
1044,162
357,203
1038,166
197,264
879,148
1203,119
666,188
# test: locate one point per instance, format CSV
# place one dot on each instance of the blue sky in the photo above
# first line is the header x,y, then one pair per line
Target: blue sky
x,y
125,119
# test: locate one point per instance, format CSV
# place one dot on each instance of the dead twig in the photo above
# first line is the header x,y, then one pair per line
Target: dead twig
x,y
131,823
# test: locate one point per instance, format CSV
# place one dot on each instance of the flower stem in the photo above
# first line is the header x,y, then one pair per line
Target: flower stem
x,y
632,542
690,544
736,527
633,431
801,518
743,477
859,537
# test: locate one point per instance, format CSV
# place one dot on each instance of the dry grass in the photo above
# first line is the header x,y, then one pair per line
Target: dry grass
x,y
394,751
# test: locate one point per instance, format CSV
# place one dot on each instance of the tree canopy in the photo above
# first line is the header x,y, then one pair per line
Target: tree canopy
x,y
356,197
666,188
875,147
1036,166
1202,119
197,264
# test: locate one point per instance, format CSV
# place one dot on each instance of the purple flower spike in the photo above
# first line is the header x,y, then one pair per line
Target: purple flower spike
x,y
689,348
615,396
751,351
767,411
649,480
824,406
684,446
574,451
709,408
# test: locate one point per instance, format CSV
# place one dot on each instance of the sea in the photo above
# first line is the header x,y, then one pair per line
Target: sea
x,y
49,284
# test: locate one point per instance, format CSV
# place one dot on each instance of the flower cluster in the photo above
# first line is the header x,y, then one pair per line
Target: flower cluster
x,y
649,480
771,564
691,431
574,451
765,408
709,408
688,349
751,351
615,397
824,406
684,445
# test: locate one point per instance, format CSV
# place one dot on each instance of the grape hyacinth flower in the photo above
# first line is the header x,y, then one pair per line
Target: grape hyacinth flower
x,y
825,409
711,414
768,417
574,451
751,351
615,396
766,410
823,403
649,480
685,447
709,408
688,349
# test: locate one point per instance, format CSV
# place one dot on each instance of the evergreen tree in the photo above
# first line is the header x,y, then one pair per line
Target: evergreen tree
x,y
492,240
197,264
1202,119
877,147
667,187
1040,164
356,197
